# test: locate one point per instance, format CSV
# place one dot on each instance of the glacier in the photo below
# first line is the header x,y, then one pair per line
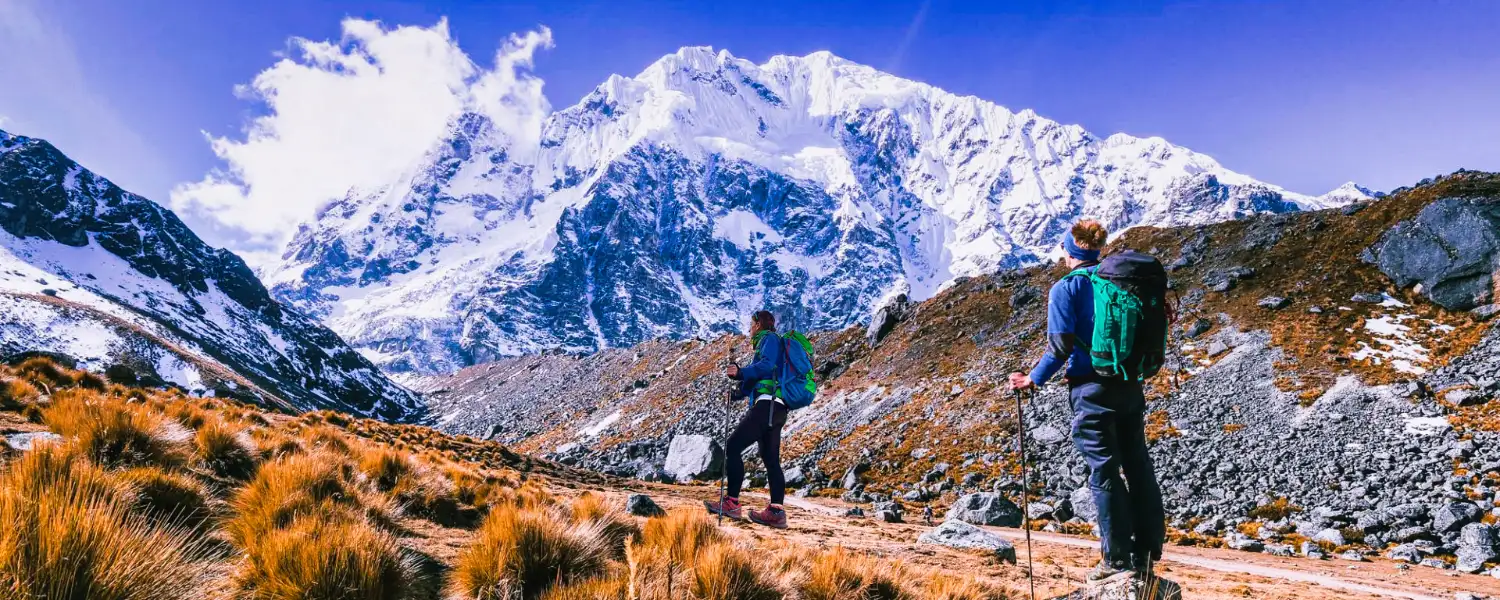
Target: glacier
x,y
675,202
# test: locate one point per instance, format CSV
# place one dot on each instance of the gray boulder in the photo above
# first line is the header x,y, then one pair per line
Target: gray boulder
x,y
1048,434
1453,516
985,508
886,319
1331,536
795,477
1476,545
1198,327
958,534
1039,510
1082,500
1131,587
1450,248
1239,541
853,475
693,457
1406,553
1274,302
642,505
23,441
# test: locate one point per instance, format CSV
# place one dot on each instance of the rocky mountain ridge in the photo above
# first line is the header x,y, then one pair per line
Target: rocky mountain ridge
x,y
99,275
673,203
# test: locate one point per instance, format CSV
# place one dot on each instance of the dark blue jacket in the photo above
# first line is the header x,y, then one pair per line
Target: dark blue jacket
x,y
1070,328
767,358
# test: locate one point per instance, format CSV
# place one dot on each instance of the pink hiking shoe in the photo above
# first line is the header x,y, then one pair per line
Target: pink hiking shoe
x,y
729,507
770,517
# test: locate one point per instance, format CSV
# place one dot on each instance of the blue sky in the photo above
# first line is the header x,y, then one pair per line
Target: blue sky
x,y
1305,95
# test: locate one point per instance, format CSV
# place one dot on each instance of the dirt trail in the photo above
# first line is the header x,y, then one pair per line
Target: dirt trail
x,y
1061,561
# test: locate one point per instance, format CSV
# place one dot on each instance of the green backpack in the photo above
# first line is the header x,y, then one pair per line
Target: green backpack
x,y
1130,316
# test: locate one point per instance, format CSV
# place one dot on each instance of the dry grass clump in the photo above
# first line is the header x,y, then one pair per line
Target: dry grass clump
x,y
519,552
941,587
316,559
318,486
169,498
599,588
613,524
223,450
44,371
312,527
682,533
186,414
112,432
1275,510
724,572
420,489
840,575
70,533
683,553
17,394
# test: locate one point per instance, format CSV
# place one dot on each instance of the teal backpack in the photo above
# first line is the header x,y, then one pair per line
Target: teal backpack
x,y
795,377
1130,316
794,382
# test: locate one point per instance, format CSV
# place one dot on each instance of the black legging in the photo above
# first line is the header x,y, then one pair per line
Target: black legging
x,y
759,426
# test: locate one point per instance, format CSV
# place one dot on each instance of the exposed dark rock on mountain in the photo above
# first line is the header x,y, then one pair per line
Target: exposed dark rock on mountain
x,y
114,280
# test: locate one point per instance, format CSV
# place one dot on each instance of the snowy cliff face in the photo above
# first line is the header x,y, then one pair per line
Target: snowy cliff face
x,y
110,279
676,202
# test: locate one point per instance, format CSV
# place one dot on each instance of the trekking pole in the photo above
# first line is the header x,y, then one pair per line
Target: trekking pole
x,y
1025,488
724,471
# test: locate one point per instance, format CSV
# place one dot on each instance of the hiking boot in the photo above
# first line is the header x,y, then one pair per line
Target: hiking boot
x,y
770,517
1108,569
1144,564
729,507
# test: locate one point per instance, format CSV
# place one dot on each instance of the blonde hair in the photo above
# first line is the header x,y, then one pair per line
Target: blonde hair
x,y
1089,234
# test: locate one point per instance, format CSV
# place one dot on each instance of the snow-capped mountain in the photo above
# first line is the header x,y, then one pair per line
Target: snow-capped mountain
x,y
116,282
675,202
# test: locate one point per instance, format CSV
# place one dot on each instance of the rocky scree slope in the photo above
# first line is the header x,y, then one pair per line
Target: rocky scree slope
x,y
112,280
1311,393
673,203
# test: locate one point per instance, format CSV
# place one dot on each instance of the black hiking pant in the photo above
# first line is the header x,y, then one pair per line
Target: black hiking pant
x,y
1109,430
761,425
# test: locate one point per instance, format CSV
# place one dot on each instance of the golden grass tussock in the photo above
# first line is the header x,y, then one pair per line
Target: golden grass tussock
x,y
325,438
725,572
521,553
16,394
186,414
599,588
113,432
841,575
681,534
70,533
316,559
44,371
169,498
944,587
614,525
318,486
224,449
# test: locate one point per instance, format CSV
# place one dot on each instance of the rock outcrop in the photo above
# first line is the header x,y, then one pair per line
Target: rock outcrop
x,y
694,457
958,534
1452,249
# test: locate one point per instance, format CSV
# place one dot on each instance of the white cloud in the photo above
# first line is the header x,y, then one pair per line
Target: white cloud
x,y
355,113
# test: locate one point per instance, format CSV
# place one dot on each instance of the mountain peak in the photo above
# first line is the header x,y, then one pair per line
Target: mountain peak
x,y
675,202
